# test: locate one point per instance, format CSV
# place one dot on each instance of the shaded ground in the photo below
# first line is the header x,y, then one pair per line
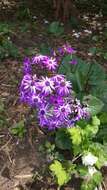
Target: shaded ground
x,y
21,158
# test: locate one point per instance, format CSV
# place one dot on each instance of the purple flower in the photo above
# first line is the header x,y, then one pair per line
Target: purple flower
x,y
45,114
29,84
56,100
36,100
62,111
58,78
42,115
61,51
64,88
39,59
68,49
50,64
47,85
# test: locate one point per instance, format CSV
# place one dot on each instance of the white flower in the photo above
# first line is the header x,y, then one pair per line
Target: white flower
x,y
91,170
88,31
77,35
46,21
105,163
89,159
96,188
34,17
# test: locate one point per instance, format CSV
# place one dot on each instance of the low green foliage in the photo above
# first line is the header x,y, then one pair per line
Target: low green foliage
x,y
89,82
7,47
92,182
19,129
80,140
62,172
55,28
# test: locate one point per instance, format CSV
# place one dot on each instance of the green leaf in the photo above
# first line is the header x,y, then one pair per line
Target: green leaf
x,y
80,81
93,50
97,74
90,130
95,121
100,91
18,129
95,105
105,56
65,67
83,171
83,67
93,182
99,151
67,59
44,49
97,178
55,28
102,134
62,140
103,118
71,77
61,174
75,135
86,186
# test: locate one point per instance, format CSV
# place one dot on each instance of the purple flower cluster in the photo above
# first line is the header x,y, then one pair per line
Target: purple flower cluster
x,y
41,61
64,51
52,97
50,63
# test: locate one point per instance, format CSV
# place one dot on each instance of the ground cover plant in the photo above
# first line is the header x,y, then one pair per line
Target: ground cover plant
x,y
70,107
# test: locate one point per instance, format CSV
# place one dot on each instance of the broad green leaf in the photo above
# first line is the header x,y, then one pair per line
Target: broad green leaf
x,y
102,134
67,59
93,182
97,178
100,91
80,81
95,121
72,78
98,150
97,74
75,135
91,130
83,171
103,118
95,105
60,173
56,28
83,67
62,140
